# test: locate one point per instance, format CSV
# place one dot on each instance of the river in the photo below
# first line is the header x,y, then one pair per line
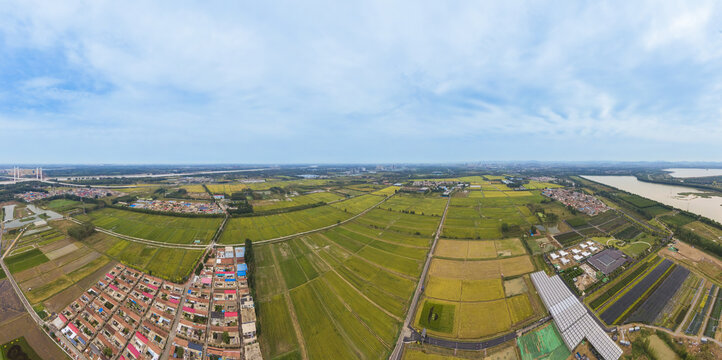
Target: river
x,y
691,173
710,207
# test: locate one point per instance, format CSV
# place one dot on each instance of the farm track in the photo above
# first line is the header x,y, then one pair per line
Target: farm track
x,y
291,311
707,317
332,269
406,330
698,293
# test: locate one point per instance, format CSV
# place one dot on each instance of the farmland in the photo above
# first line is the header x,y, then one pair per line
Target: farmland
x,y
68,267
416,204
169,229
53,265
291,201
482,218
265,185
630,297
256,228
651,309
364,266
477,285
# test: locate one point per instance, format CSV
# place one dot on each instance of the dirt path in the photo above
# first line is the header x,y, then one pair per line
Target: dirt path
x,y
332,269
291,310
405,276
405,330
698,293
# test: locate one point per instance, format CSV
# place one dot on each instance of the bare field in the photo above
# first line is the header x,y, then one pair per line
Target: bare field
x,y
25,326
67,249
696,259
10,305
515,286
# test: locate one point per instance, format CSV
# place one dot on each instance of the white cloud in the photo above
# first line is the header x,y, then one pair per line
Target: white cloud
x,y
297,72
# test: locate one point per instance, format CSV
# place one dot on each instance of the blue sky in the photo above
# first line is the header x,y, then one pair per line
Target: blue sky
x,y
319,82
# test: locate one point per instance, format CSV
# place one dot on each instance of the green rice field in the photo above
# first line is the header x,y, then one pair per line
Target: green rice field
x,y
349,287
168,229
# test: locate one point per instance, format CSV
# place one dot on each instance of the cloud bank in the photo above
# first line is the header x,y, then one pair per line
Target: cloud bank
x,y
287,82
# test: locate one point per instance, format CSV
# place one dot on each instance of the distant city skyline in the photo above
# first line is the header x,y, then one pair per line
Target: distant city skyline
x,y
374,82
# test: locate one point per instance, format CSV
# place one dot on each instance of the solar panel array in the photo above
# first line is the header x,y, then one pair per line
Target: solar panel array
x,y
571,317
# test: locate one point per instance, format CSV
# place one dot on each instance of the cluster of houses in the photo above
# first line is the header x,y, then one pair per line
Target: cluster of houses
x,y
126,315
130,315
91,193
584,203
176,206
218,316
573,255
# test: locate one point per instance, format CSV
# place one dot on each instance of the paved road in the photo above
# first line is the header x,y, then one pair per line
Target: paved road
x,y
75,353
406,329
478,345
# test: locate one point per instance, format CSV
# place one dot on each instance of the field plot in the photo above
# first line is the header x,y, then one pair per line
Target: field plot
x,y
400,223
482,218
652,308
269,183
169,229
714,317
278,336
358,204
628,299
479,249
438,316
677,307
701,309
480,319
484,304
25,260
543,343
291,201
167,263
256,228
416,204
348,287
18,349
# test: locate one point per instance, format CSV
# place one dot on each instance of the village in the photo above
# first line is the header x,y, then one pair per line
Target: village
x,y
89,193
580,201
132,315
175,206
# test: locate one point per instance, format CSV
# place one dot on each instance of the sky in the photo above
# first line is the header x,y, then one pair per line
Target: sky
x,y
369,82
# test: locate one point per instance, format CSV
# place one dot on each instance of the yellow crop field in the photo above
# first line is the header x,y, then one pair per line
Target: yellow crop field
x,y
494,194
518,193
476,249
386,191
443,288
482,319
483,269
519,308
447,268
452,248
516,266
509,247
481,290
481,249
